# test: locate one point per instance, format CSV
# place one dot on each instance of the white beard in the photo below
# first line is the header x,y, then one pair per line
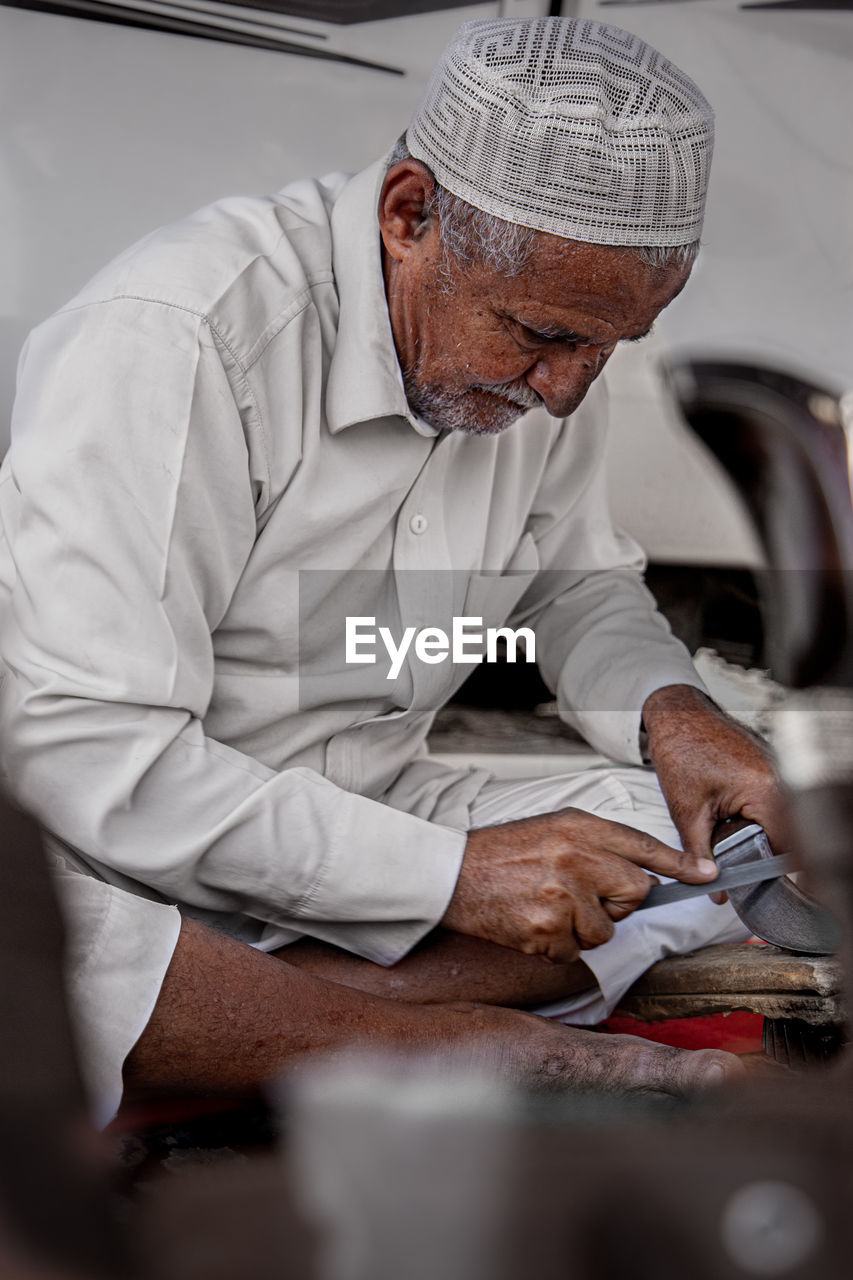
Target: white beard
x,y
493,410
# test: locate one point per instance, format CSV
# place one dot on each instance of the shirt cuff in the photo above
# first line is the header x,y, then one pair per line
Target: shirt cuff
x,y
380,902
616,734
119,947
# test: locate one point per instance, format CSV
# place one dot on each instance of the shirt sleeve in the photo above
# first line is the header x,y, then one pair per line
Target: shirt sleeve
x,y
601,643
128,512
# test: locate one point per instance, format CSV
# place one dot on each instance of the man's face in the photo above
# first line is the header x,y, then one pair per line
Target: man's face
x,y
478,349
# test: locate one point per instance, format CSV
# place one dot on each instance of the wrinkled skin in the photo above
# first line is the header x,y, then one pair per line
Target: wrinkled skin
x,y
478,348
553,885
710,768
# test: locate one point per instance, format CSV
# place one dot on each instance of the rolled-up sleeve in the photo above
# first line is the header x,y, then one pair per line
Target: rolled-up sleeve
x,y
129,515
601,644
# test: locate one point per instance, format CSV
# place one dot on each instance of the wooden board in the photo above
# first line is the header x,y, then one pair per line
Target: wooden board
x,y
755,977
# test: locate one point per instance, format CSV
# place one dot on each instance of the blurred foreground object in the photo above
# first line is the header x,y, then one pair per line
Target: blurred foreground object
x,y
406,1167
407,1174
61,1214
53,1168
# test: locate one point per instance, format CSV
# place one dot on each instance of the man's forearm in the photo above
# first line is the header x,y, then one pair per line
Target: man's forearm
x,y
674,702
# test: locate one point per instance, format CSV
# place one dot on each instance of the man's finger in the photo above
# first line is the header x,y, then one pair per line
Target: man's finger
x,y
776,821
618,906
646,851
697,835
593,925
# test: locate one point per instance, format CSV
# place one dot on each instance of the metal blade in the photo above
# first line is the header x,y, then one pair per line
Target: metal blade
x,y
777,911
729,878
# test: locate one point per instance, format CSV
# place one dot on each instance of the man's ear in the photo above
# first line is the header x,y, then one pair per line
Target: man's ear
x,y
403,219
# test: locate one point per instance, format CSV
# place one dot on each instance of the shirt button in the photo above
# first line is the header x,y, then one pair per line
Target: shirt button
x,y
419,524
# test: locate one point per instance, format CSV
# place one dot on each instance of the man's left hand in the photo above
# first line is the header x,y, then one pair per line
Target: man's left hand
x,y
710,768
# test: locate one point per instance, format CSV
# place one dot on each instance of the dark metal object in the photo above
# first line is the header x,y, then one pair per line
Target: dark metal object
x,y
798,1045
770,904
782,441
777,911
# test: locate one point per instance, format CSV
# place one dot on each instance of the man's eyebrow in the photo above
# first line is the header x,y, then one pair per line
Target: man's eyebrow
x,y
561,334
552,331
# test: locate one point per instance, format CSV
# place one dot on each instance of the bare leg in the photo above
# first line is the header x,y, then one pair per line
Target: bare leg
x,y
445,967
229,1018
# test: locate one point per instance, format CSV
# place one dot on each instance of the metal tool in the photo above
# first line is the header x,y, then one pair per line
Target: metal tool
x,y
660,895
768,902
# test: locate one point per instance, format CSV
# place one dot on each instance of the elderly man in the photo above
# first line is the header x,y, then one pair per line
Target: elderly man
x,y
283,413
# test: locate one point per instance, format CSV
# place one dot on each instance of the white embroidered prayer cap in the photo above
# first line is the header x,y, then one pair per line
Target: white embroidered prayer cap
x,y
572,127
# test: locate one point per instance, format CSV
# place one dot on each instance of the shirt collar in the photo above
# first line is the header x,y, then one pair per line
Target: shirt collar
x,y
364,380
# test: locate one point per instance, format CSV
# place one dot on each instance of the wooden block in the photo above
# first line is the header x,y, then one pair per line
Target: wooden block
x,y
755,977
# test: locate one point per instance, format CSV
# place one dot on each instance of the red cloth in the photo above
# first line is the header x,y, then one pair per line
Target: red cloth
x,y
737,1032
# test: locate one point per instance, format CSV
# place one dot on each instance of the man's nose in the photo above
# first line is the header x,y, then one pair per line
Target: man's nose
x,y
562,376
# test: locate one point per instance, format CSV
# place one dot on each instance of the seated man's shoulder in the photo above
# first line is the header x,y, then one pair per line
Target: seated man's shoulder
x,y
237,262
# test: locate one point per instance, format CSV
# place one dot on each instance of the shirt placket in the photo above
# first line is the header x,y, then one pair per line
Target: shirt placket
x,y
423,582
423,569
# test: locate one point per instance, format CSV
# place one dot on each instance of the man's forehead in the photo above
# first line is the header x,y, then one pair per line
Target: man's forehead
x,y
567,283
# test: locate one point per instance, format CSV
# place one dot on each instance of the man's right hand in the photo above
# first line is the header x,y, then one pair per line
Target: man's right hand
x,y
553,885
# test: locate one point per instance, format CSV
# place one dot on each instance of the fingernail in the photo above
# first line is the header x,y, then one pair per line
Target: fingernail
x,y
706,866
714,1074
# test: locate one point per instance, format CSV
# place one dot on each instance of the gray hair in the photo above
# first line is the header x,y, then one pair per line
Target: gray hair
x,y
472,236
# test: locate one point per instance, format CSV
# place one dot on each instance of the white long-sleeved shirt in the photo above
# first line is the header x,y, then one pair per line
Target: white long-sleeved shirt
x,y
213,464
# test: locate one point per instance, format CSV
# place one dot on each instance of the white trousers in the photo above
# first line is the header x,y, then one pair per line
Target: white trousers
x,y
120,944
